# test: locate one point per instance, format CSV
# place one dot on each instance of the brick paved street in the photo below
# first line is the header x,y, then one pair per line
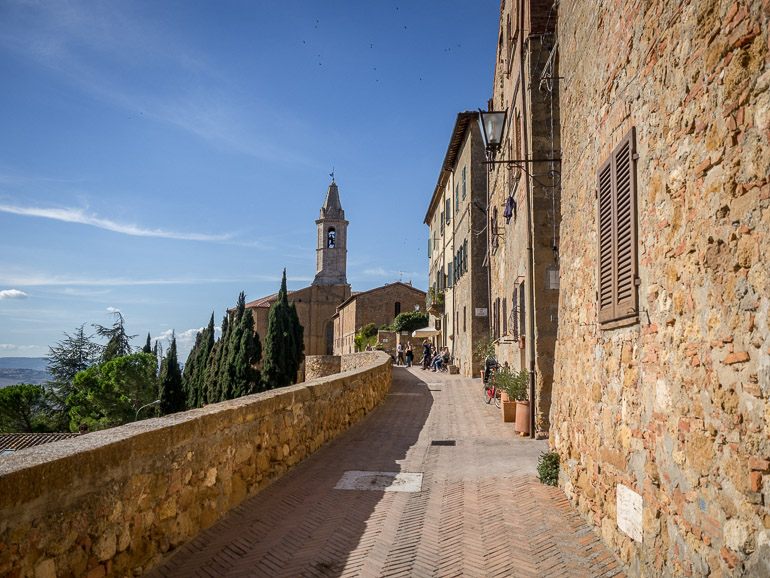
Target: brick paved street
x,y
480,511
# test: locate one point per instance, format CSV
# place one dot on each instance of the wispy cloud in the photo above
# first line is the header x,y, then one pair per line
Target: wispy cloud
x,y
12,347
113,310
46,280
12,294
377,271
75,215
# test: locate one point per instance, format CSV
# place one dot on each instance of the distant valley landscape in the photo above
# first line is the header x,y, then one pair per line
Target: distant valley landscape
x,y
31,370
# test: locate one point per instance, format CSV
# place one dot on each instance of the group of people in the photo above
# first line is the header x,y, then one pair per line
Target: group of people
x,y
433,359
404,356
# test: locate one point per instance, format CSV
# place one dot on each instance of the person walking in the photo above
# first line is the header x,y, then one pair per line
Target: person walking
x,y
426,354
400,357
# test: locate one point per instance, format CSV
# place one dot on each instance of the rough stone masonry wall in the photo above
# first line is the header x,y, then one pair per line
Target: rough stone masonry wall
x,y
114,502
675,407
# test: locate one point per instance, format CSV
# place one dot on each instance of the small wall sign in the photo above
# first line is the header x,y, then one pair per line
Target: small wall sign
x,y
481,311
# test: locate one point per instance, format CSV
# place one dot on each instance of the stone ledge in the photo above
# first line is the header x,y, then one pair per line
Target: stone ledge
x,y
153,485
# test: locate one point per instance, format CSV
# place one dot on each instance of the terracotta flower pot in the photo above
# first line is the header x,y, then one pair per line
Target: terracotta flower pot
x,y
522,417
508,408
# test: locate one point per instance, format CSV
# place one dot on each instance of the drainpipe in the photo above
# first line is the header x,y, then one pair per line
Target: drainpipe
x,y
530,240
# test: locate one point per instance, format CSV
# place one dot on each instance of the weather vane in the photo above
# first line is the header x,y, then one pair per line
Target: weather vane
x,y
331,174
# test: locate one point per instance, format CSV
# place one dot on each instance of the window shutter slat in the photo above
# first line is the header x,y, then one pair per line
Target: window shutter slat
x,y
626,301
605,260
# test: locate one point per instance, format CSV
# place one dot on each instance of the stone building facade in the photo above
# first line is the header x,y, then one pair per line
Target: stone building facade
x,y
317,304
379,306
662,365
457,275
524,199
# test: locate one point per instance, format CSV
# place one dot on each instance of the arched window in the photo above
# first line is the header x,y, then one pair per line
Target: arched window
x,y
331,238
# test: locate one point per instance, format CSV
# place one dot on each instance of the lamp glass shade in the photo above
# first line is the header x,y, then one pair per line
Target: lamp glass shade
x,y
492,123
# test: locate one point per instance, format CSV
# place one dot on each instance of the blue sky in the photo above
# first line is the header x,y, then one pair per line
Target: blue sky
x,y
159,157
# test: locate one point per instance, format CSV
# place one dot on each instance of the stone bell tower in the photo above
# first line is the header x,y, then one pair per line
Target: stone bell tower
x,y
331,251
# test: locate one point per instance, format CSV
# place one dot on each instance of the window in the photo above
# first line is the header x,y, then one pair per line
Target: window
x,y
464,312
463,183
442,222
522,310
398,308
514,313
505,316
465,255
457,198
450,274
430,248
448,210
331,237
616,213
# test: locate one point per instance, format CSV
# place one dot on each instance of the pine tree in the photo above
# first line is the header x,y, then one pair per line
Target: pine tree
x,y
172,398
282,352
147,346
118,341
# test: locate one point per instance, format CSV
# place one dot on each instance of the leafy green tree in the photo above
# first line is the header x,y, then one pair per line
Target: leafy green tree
x,y
147,346
110,393
118,341
67,358
283,354
410,320
23,409
171,393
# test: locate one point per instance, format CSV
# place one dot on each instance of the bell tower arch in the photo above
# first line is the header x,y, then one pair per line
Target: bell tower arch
x,y
331,249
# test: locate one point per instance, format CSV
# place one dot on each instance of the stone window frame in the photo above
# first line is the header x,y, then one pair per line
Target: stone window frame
x,y
617,271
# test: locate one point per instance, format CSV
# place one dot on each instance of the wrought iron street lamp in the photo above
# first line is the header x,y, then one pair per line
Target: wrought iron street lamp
x,y
492,125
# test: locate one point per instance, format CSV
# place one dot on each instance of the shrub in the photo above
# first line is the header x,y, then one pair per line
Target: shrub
x,y
548,468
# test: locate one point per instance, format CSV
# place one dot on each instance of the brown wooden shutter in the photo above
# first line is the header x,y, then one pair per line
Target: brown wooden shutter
x,y
505,316
626,303
606,257
515,312
522,311
617,234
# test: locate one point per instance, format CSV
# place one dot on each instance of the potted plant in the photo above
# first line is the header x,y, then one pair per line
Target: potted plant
x,y
521,395
435,302
505,381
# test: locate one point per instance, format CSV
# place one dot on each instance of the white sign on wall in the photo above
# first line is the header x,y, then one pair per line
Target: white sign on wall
x,y
630,512
481,311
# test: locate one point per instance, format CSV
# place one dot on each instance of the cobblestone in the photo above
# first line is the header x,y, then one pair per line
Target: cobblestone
x,y
481,510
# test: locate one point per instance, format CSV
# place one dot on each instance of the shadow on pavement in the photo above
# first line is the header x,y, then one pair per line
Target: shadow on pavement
x,y
301,525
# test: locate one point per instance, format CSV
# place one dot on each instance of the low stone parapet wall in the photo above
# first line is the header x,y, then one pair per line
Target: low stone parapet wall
x,y
114,502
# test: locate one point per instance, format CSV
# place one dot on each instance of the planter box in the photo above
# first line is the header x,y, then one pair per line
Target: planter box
x,y
509,411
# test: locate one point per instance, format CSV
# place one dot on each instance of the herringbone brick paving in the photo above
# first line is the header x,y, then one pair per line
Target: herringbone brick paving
x,y
480,512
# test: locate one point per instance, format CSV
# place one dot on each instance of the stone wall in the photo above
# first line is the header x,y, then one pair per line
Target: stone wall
x,y
321,366
663,425
114,502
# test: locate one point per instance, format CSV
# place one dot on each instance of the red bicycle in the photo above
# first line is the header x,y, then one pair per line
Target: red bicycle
x,y
491,393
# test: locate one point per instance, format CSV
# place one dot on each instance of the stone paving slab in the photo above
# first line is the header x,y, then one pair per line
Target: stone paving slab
x,y
480,510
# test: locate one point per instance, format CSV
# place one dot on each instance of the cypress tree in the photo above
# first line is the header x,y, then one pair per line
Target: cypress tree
x,y
172,398
147,346
217,360
246,377
282,354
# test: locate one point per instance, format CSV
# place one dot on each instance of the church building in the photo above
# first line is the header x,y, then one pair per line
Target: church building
x,y
317,304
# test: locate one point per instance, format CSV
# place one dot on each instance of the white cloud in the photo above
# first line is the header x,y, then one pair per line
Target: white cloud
x,y
12,294
43,279
185,340
12,347
113,310
78,216
378,271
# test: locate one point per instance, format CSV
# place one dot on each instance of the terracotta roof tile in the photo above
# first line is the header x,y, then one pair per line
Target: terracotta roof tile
x,y
19,441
